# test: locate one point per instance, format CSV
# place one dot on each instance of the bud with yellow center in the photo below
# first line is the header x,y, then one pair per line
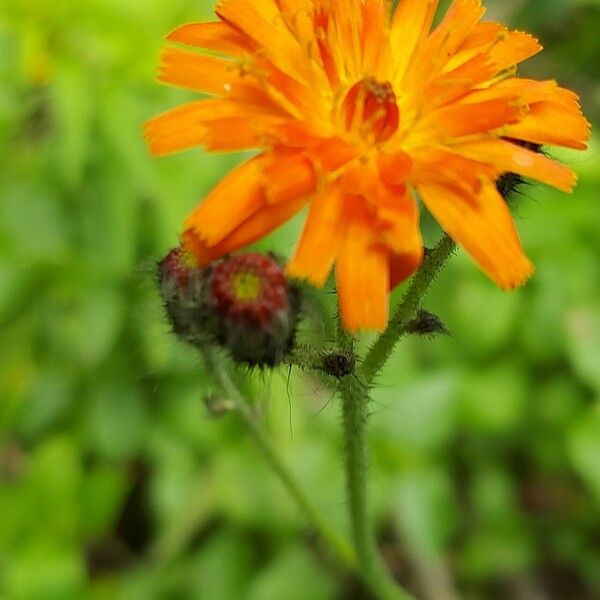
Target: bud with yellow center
x,y
243,303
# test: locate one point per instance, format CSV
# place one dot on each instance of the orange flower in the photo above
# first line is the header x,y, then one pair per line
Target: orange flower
x,y
354,112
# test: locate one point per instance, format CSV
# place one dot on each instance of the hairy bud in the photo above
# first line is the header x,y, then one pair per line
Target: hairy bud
x,y
426,323
244,303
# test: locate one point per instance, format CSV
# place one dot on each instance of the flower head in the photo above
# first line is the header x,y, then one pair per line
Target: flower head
x,y
355,111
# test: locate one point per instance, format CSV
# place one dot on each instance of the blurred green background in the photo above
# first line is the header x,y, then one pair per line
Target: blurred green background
x,y
116,483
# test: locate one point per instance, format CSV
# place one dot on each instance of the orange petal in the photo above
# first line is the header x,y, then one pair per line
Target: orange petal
x,y
483,35
458,23
362,275
297,99
194,244
327,43
288,177
326,151
239,133
442,166
514,48
514,89
346,25
460,75
177,129
392,208
402,266
512,158
457,120
217,35
230,203
466,68
394,167
550,123
566,99
481,223
398,217
321,238
298,16
216,124
263,23
375,39
501,47
212,75
332,153
299,134
359,179
262,222
410,24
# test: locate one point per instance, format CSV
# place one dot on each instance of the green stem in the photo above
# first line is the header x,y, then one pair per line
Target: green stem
x,y
381,350
331,361
305,357
338,546
355,412
354,419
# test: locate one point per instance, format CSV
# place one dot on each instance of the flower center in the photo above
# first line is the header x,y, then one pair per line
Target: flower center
x,y
250,288
370,110
246,286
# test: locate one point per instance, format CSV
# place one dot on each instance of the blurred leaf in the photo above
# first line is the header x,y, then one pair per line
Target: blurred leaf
x,y
103,491
86,321
174,483
494,400
483,318
116,418
50,399
583,332
295,571
119,115
44,571
183,513
425,512
33,223
15,282
267,506
558,401
418,416
584,449
52,487
494,501
108,222
73,103
223,553
496,554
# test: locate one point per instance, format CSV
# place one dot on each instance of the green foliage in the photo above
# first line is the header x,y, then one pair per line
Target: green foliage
x,y
116,483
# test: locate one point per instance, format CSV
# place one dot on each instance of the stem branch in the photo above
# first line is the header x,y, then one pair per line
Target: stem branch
x,y
338,546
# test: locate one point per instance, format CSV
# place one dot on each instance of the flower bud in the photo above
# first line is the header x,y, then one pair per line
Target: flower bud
x,y
256,308
185,290
243,303
426,323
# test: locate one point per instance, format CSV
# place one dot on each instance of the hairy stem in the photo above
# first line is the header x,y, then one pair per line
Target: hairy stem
x,y
354,421
381,350
355,412
341,550
330,361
